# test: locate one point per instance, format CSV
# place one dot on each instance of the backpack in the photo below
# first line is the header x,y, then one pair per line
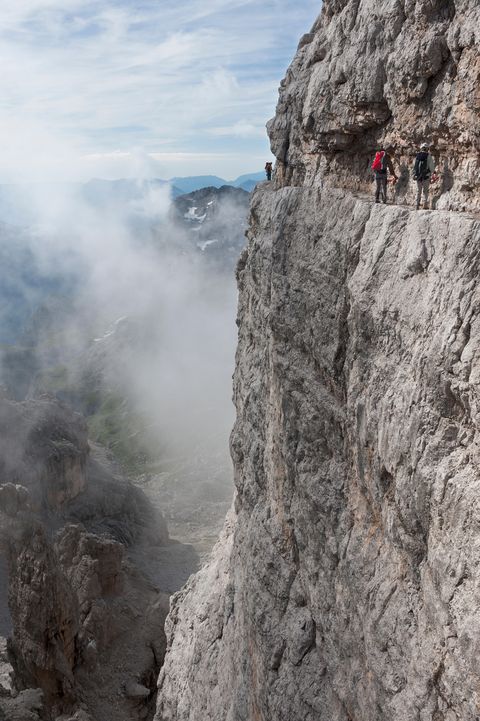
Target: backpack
x,y
421,171
378,163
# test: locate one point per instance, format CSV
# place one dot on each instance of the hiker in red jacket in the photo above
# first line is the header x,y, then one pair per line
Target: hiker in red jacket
x,y
381,166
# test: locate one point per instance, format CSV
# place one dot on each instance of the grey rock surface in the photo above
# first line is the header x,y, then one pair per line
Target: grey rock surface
x,y
44,447
136,690
5,670
25,706
374,72
345,587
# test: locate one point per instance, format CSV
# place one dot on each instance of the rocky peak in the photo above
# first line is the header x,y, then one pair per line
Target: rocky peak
x,y
214,221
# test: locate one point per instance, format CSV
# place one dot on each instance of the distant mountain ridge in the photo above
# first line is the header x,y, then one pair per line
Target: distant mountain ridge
x,y
214,221
98,190
191,183
20,204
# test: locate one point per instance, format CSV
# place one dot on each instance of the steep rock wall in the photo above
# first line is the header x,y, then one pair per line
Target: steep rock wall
x,y
391,71
345,587
348,588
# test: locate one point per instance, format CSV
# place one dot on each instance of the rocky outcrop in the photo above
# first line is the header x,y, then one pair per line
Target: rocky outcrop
x,y
84,624
345,585
44,447
43,444
372,73
45,617
43,607
87,627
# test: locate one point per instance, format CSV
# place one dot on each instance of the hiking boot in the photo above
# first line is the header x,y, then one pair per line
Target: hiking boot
x,y
425,206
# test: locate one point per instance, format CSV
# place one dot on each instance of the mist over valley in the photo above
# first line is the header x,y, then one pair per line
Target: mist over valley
x,y
117,331
129,293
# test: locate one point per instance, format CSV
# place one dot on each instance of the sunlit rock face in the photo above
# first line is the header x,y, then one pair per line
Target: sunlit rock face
x,y
372,73
345,586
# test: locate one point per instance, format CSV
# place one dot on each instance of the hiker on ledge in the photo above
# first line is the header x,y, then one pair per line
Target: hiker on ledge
x,y
268,170
422,172
382,165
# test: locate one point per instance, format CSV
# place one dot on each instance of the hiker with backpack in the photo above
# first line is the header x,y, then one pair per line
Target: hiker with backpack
x,y
381,166
423,171
268,170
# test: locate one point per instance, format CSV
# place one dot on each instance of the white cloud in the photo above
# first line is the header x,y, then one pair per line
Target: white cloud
x,y
104,75
241,129
165,165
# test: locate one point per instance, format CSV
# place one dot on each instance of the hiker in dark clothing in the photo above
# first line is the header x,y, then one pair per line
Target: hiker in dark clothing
x,y
382,165
268,170
423,170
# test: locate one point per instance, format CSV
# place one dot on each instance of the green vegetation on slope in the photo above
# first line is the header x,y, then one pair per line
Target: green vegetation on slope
x,y
110,419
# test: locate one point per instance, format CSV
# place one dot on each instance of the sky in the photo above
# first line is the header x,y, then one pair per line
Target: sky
x,y
142,88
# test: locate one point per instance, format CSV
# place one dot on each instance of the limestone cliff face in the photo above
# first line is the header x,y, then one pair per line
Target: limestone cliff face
x,y
346,585
348,588
384,71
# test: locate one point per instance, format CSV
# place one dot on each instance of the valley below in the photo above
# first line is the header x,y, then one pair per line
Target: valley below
x,y
113,492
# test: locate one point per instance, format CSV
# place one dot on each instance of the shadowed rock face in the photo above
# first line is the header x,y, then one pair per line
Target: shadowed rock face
x,y
372,73
43,608
45,617
84,624
345,587
44,446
